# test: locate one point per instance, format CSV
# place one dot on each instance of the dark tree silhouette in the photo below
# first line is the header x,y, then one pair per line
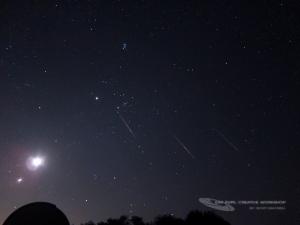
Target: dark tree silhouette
x,y
136,220
101,223
42,213
205,218
193,218
123,220
168,220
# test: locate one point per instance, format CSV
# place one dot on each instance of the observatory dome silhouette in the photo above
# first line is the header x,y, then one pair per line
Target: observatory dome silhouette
x,y
37,213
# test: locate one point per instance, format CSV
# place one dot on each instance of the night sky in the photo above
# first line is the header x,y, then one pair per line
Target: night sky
x,y
142,107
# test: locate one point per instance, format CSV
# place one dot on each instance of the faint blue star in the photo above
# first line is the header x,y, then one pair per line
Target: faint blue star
x,y
124,46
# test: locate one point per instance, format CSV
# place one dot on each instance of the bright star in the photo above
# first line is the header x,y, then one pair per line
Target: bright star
x,y
37,161
33,163
19,180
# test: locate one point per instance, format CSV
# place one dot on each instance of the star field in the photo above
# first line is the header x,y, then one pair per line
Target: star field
x,y
142,107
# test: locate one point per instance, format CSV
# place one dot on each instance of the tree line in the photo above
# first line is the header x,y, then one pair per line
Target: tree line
x,y
193,218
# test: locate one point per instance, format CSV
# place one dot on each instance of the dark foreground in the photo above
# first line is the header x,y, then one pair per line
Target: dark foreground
x,y
44,213
193,218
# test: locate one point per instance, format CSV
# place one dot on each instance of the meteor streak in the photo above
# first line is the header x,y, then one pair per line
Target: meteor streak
x,y
126,124
226,139
184,147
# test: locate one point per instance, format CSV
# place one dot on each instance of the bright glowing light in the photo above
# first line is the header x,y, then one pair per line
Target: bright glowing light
x,y
37,161
33,163
19,180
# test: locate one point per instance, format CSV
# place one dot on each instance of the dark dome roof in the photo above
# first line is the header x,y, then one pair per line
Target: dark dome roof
x,y
37,213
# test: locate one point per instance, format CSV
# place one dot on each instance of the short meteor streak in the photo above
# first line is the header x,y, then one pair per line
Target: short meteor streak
x,y
184,147
226,139
126,125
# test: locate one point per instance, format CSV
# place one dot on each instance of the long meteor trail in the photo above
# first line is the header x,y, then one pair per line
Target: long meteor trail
x,y
126,124
183,146
226,139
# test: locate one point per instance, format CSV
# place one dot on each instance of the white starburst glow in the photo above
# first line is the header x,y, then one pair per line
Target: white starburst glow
x,y
37,161
34,163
